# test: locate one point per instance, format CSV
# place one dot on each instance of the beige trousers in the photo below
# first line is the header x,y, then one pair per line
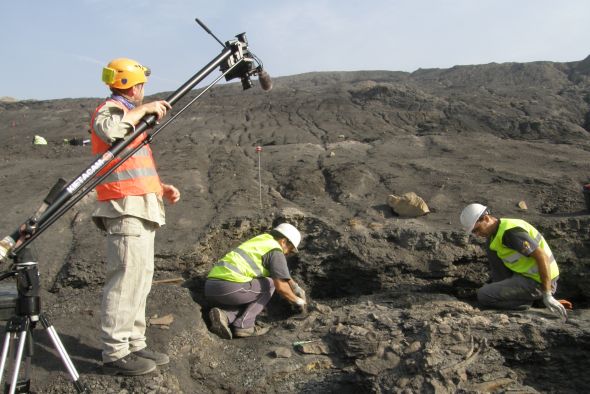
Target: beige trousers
x,y
130,269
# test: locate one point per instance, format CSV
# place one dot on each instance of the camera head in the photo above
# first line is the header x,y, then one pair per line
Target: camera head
x,y
241,63
249,65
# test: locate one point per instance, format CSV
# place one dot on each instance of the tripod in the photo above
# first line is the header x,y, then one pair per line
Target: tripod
x,y
18,341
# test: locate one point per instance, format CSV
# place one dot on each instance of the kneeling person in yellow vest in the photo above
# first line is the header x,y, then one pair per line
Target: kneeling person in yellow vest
x,y
522,266
243,281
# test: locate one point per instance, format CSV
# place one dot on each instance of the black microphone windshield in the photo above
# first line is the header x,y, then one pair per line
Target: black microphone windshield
x,y
265,81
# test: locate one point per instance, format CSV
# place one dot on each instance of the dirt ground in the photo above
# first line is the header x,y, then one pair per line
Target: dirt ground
x,y
393,307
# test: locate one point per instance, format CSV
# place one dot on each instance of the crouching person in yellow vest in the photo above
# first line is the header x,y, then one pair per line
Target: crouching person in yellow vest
x,y
522,266
243,281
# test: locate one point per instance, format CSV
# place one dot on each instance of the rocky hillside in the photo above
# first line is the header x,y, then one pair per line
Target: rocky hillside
x,y
394,307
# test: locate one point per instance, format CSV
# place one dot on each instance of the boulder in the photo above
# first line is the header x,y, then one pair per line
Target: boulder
x,y
408,205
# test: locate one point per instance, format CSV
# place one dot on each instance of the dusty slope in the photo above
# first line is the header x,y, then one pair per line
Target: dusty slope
x,y
395,305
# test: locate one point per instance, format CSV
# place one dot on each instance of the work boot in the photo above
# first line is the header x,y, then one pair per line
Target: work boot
x,y
250,332
130,365
157,357
219,323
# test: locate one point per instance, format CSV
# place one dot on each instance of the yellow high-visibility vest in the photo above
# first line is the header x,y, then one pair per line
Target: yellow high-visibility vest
x,y
244,263
523,265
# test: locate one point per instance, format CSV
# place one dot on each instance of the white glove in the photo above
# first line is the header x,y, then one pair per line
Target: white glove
x,y
300,302
554,306
298,291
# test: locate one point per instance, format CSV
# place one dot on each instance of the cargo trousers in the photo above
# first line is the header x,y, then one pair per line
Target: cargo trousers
x,y
241,302
509,290
128,281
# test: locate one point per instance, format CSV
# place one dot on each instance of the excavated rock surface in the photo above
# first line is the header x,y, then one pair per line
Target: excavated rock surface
x,y
393,305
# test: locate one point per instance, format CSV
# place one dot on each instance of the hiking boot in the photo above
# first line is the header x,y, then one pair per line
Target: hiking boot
x,y
157,357
130,365
250,332
219,323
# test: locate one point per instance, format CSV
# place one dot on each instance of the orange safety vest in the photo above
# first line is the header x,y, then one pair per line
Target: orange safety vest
x,y
135,177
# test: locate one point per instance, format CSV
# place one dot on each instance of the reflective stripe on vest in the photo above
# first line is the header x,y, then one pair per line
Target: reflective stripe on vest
x,y
137,176
244,263
517,262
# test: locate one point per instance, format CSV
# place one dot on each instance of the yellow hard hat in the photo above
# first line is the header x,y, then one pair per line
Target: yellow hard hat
x,y
124,73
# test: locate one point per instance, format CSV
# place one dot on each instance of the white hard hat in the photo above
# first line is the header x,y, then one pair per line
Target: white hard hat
x,y
471,214
290,232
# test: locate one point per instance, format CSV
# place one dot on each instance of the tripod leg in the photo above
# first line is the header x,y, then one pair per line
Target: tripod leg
x,y
19,357
5,349
65,358
17,327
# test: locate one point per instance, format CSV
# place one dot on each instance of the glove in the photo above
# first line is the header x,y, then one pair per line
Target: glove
x,y
554,306
301,304
298,291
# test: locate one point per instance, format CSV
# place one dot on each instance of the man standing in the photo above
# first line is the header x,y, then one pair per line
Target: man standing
x,y
523,268
243,281
130,209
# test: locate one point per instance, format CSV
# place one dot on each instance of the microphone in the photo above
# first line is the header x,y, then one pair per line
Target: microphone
x,y
265,81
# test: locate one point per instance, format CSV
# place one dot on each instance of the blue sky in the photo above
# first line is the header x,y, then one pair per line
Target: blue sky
x,y
56,49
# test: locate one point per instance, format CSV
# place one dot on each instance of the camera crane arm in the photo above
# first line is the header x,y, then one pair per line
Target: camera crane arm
x,y
235,61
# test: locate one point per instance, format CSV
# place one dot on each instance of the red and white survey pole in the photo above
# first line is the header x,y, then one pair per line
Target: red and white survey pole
x,y
259,150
